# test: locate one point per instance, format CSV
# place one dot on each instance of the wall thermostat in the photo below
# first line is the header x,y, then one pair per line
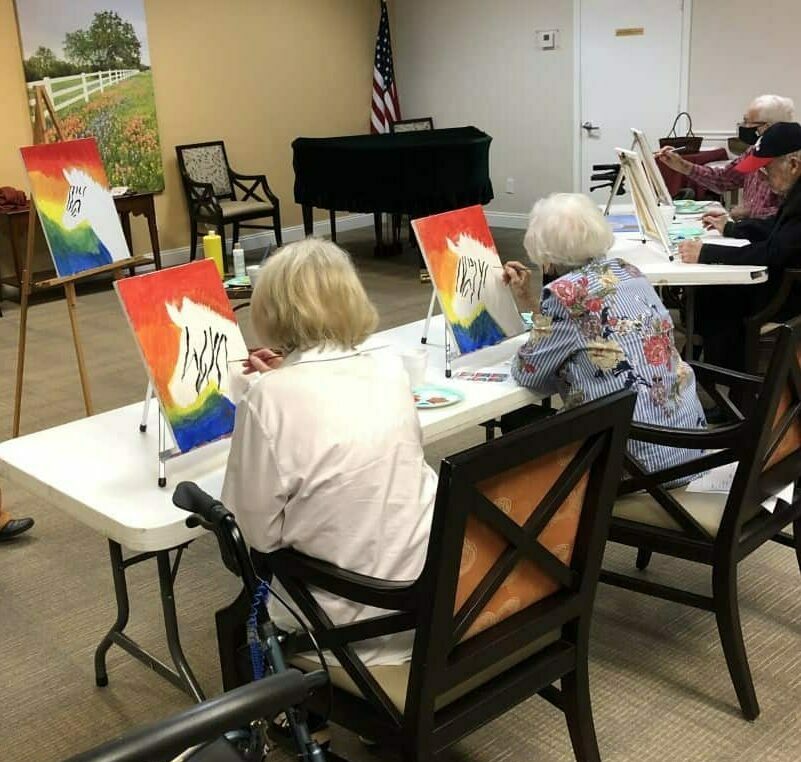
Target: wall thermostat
x,y
546,39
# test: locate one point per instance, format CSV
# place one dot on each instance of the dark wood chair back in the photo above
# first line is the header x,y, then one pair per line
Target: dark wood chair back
x,y
505,597
516,545
206,163
774,440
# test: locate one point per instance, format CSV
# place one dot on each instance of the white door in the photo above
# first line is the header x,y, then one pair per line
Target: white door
x,y
632,57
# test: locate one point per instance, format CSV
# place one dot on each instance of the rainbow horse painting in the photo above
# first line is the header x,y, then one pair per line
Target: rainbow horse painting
x,y
189,341
466,271
75,205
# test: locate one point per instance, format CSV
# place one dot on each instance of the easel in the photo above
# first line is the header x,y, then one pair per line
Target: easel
x,y
43,107
164,453
424,338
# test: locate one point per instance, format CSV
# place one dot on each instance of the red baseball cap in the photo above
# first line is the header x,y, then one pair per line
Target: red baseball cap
x,y
778,140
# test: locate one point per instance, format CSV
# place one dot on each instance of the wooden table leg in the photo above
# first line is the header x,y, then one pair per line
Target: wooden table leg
x,y
12,240
125,220
152,228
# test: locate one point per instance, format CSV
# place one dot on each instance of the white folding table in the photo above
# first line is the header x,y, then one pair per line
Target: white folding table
x,y
103,472
655,265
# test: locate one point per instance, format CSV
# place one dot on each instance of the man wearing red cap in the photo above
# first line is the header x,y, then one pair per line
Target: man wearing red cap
x,y
775,243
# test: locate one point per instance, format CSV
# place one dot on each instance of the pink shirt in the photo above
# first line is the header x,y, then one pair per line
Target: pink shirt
x,y
758,197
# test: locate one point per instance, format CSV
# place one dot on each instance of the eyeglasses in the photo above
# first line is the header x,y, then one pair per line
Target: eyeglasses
x,y
746,123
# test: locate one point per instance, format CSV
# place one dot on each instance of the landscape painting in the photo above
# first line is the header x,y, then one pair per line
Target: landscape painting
x,y
93,59
75,206
467,273
189,339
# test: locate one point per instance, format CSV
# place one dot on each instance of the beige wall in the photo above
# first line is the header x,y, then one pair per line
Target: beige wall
x,y
256,73
739,50
474,62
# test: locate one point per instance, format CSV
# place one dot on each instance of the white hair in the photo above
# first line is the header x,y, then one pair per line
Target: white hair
x,y
774,108
566,230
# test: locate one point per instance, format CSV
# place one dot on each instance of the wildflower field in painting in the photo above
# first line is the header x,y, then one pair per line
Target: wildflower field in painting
x,y
94,63
123,120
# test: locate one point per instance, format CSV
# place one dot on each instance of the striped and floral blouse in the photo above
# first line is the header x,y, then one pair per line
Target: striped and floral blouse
x,y
602,328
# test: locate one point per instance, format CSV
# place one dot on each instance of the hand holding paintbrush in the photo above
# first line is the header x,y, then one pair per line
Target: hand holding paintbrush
x,y
260,360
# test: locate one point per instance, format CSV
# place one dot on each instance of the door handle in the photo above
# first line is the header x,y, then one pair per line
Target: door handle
x,y
590,127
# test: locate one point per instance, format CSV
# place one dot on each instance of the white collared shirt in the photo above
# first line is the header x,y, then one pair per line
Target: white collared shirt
x,y
327,458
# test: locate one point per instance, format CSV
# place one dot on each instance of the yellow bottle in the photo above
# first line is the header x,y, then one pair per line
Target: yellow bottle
x,y
212,249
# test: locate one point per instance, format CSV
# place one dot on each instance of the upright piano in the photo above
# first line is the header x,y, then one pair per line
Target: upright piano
x,y
414,173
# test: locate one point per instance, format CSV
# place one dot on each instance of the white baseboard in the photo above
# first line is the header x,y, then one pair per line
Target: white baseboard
x,y
180,255
514,220
253,241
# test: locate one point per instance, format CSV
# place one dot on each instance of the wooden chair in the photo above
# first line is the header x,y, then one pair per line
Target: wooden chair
x,y
760,327
502,608
217,196
720,530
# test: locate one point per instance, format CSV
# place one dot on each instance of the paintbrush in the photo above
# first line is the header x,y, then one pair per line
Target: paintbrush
x,y
522,268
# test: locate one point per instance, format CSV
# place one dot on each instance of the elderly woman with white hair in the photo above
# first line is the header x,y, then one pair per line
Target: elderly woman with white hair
x,y
599,326
759,200
326,455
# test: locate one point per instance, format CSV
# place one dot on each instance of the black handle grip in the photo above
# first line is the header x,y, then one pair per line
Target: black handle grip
x,y
189,497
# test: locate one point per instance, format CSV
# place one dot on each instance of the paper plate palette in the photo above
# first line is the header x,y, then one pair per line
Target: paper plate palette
x,y
428,397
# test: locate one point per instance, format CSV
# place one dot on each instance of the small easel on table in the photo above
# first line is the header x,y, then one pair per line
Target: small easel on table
x,y
43,107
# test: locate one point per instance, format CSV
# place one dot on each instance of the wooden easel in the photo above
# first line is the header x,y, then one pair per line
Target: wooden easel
x,y
43,107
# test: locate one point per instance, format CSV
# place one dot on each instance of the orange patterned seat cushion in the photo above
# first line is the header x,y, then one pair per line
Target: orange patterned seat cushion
x,y
791,441
517,493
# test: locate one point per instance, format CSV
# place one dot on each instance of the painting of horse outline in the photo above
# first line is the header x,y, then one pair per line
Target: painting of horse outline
x,y
189,341
75,205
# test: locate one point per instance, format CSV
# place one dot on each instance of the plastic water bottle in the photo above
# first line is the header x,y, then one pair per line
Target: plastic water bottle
x,y
239,261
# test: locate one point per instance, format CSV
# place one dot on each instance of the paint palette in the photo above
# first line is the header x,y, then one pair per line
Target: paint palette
x,y
690,207
428,397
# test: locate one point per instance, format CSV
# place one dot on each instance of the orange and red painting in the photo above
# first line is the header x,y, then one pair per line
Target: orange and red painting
x,y
466,271
188,338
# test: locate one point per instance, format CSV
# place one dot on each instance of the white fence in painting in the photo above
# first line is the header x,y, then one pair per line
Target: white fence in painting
x,y
64,91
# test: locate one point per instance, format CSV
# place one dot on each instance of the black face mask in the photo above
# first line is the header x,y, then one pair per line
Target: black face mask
x,y
748,135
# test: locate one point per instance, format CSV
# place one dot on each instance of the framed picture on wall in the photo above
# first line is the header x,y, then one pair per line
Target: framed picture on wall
x,y
94,61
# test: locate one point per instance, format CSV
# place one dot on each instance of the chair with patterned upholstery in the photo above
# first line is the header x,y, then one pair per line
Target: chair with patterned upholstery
x,y
721,529
502,608
217,196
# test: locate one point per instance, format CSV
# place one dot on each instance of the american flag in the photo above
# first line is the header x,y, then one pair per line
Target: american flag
x,y
386,107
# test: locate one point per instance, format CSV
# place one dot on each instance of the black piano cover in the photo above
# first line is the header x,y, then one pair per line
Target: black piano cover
x,y
416,173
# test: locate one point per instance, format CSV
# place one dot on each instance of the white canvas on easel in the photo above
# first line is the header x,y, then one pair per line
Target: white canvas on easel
x,y
652,222
643,147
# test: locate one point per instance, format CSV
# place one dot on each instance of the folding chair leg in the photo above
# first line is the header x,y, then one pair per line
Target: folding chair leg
x,y
643,558
727,614
578,713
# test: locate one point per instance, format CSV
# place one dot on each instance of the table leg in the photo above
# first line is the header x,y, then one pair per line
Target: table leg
x,y
332,217
12,240
183,678
123,613
308,220
154,234
125,221
166,584
689,321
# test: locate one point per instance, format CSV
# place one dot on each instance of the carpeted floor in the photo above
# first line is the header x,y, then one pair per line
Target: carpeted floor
x,y
660,686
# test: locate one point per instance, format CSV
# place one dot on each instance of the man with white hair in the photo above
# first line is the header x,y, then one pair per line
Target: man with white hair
x,y
759,200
